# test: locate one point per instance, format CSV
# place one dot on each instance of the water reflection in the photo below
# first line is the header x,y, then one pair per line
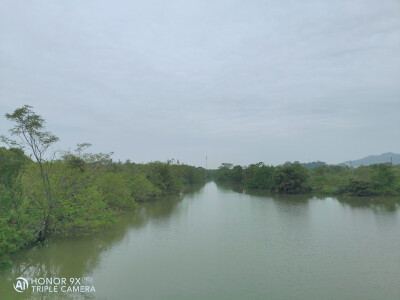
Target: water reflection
x,y
288,198
227,188
388,204
377,203
77,257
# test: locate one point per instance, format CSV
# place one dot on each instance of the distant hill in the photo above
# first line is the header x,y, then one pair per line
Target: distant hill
x,y
374,159
314,164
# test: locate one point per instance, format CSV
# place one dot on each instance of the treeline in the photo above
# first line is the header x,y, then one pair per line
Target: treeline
x,y
52,194
294,178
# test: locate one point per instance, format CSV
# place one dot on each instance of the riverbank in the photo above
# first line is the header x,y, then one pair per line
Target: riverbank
x,y
88,193
46,192
374,180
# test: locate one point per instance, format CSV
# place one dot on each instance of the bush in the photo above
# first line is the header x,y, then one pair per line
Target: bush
x,y
116,191
259,176
358,188
291,179
142,189
12,239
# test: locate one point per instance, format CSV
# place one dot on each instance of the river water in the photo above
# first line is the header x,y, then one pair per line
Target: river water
x,y
215,243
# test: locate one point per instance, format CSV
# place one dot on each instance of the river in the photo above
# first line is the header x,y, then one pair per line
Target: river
x,y
215,243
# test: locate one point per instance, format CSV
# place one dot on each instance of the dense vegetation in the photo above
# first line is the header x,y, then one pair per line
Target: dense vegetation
x,y
56,193
294,178
51,193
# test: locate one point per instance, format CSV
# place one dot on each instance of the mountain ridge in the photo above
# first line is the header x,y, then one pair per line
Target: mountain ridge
x,y
388,157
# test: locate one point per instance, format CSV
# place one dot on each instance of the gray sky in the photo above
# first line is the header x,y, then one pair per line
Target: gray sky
x,y
243,81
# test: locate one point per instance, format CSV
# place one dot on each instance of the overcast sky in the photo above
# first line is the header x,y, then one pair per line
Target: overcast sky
x,y
240,81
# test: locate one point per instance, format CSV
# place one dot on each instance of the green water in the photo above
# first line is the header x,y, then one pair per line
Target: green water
x,y
215,243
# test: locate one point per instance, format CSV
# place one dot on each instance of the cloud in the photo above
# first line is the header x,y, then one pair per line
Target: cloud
x,y
240,80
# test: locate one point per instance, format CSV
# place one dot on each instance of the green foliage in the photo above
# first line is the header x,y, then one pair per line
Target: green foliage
x,y
12,239
358,188
224,173
74,162
259,176
87,210
189,174
237,174
78,192
11,162
116,191
321,170
142,189
379,179
329,180
31,130
162,176
291,179
383,178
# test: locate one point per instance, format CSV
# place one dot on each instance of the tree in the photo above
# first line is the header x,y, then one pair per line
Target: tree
x,y
116,191
237,174
383,178
142,189
291,179
11,163
259,176
223,174
30,129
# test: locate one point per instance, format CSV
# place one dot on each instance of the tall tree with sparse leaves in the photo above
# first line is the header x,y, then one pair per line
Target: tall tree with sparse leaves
x,y
30,130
